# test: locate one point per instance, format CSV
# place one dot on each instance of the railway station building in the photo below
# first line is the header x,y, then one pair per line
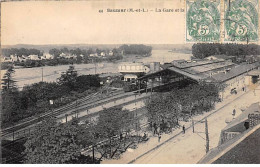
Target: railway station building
x,y
234,77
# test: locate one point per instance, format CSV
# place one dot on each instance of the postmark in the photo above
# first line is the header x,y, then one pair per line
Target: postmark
x,y
203,20
241,20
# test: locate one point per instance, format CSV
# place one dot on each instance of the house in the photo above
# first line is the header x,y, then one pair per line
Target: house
x,y
42,58
48,56
7,59
81,55
23,58
72,56
238,141
102,54
110,53
93,55
62,55
131,71
240,123
14,58
33,57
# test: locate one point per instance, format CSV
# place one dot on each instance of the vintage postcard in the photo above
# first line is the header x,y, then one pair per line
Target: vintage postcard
x,y
130,82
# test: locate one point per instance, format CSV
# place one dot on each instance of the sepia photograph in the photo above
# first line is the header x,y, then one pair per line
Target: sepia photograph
x,y
130,82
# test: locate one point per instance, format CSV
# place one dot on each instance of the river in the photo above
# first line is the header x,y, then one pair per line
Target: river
x,y
26,76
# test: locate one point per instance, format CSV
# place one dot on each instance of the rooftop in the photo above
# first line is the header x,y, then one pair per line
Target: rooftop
x,y
198,63
225,57
208,67
238,70
242,149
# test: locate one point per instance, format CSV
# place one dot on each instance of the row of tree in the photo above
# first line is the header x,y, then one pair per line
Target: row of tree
x,y
56,52
62,61
202,50
34,99
136,49
165,109
22,51
53,143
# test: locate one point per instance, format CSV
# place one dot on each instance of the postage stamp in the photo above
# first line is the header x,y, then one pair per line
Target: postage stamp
x,y
241,20
203,20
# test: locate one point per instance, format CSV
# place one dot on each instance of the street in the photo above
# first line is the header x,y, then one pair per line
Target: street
x,y
189,148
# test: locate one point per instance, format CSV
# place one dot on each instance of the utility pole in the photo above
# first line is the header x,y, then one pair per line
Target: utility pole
x,y
95,67
146,86
152,87
139,87
42,74
135,115
13,134
207,135
66,115
192,125
93,154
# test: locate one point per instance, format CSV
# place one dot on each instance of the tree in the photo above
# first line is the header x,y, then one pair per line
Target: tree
x,y
202,50
69,78
111,122
85,82
11,106
163,109
53,143
55,52
79,59
8,82
136,49
167,108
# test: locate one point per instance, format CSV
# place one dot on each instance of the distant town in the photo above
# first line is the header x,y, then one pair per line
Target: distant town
x,y
35,58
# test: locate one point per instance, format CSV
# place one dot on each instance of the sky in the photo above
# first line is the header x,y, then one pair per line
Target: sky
x,y
80,22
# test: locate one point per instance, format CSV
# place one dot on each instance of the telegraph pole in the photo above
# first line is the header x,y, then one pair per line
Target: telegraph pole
x,y
66,115
192,125
95,67
207,135
152,87
42,74
139,86
93,154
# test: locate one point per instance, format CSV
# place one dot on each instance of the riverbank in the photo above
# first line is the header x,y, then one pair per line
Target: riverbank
x,y
27,76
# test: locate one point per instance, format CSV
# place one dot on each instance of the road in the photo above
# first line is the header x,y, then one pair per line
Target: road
x,y
188,148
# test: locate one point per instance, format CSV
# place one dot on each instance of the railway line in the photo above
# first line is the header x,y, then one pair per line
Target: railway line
x,y
95,101
86,103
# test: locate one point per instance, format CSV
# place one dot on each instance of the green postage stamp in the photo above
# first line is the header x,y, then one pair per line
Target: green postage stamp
x,y
222,20
203,20
241,20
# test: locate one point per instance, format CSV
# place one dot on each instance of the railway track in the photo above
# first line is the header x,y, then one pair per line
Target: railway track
x,y
79,105
82,104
